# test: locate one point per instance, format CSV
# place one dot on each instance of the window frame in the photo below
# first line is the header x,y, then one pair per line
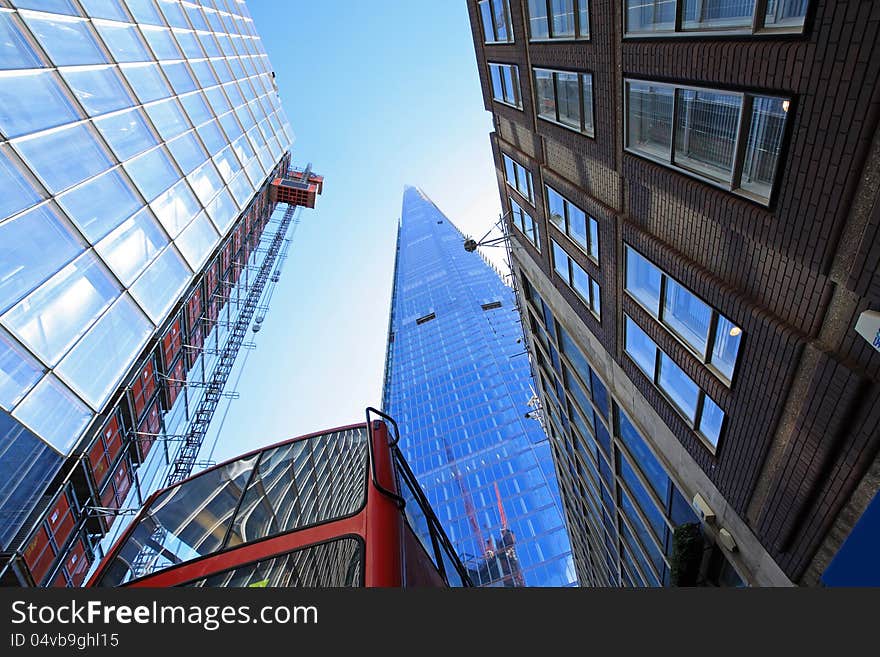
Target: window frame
x,y
758,27
740,148
591,221
529,178
516,92
494,27
581,77
535,238
694,424
578,28
711,338
593,304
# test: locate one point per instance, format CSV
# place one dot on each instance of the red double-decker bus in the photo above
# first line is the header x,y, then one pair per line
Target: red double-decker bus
x,y
330,509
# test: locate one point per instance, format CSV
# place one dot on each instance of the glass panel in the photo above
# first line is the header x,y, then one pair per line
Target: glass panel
x,y
640,348
16,191
168,118
218,100
569,98
222,211
54,6
99,89
64,157
501,32
560,261
196,108
204,72
243,149
227,164
706,129
68,41
785,13
687,316
587,80
679,386
19,371
486,15
144,12
14,49
766,131
650,15
725,346
126,133
580,281
189,44
176,207
188,152
212,136
241,189
497,87
160,42
594,239
33,246
699,14
105,9
147,81
158,288
173,13
95,365
130,247
546,97
511,88
563,18
54,413
123,42
221,69
152,172
584,17
597,297
577,225
643,281
649,119
197,240
230,124
31,101
51,319
101,204
711,420
206,182
643,457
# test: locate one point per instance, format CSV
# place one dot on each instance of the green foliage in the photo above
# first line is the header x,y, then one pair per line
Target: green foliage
x,y
687,554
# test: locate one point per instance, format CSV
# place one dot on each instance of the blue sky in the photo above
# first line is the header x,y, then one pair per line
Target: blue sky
x,y
379,94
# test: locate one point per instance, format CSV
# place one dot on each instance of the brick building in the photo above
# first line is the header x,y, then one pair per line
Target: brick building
x,y
692,190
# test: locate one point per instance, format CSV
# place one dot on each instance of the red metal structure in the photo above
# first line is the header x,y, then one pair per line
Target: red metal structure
x,y
335,508
297,187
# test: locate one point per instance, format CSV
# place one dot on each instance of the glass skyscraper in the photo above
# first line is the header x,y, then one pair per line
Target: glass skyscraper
x,y
137,143
457,381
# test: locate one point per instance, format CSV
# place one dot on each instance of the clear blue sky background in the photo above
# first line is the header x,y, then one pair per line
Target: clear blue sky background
x,y
380,94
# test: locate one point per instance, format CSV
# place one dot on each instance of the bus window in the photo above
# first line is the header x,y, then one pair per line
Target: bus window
x,y
336,563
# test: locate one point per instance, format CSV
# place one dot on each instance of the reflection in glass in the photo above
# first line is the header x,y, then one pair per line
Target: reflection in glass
x,y
161,284
168,118
152,172
766,131
147,81
706,129
101,204
16,191
19,371
175,208
197,240
123,41
55,413
678,386
127,133
14,49
100,359
725,346
98,89
67,40
640,348
711,419
649,119
53,317
31,101
63,157
130,247
187,151
685,314
643,281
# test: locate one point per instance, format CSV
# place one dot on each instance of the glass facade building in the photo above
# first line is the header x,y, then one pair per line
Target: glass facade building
x,y
457,381
136,142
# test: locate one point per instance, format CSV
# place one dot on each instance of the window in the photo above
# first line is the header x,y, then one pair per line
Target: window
x,y
658,17
496,21
65,156
98,89
68,41
426,318
578,279
700,410
101,204
559,19
574,222
566,98
525,223
505,84
519,178
54,413
712,337
732,140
